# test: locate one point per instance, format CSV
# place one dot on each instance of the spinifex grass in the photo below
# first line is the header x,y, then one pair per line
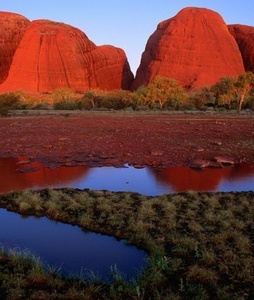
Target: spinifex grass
x,y
201,245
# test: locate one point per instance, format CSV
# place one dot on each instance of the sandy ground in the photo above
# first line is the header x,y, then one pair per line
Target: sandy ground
x,y
138,139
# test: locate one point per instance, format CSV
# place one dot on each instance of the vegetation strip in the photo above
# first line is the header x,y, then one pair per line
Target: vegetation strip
x,y
162,93
201,245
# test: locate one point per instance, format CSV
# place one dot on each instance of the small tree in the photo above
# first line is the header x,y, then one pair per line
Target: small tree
x,y
63,98
203,96
162,91
88,100
243,87
224,91
62,94
237,89
141,97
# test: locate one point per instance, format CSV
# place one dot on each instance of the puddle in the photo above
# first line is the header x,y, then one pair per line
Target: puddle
x,y
69,247
15,177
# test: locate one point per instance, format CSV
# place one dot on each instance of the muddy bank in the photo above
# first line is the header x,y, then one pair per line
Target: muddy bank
x,y
138,139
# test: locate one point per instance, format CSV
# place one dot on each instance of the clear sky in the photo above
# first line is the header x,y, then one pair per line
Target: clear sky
x,y
124,23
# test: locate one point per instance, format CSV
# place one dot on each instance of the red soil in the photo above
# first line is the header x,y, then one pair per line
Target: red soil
x,y
99,139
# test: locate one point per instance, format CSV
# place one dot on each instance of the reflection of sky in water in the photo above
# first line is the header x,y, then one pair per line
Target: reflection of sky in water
x,y
58,243
122,179
243,184
146,181
67,246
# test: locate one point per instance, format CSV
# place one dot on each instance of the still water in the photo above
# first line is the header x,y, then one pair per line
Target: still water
x,y
68,247
15,176
71,248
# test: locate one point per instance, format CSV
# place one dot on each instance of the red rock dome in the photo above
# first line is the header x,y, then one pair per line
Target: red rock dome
x,y
55,55
194,47
244,36
12,28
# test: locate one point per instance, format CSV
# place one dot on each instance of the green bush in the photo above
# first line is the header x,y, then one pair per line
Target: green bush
x,y
188,106
9,101
116,99
249,104
62,94
64,99
41,106
65,105
114,102
161,93
202,97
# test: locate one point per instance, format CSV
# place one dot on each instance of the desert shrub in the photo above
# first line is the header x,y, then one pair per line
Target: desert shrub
x,y
188,106
83,104
42,106
65,105
234,91
249,103
27,101
161,93
202,97
206,108
63,99
8,102
62,94
91,99
86,102
116,99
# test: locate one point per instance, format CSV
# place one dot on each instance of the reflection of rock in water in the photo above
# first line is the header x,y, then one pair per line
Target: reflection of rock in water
x,y
17,174
13,179
242,171
184,179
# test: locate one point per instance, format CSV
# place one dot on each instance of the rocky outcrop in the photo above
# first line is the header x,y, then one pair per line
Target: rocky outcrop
x,y
194,47
55,55
244,36
111,69
12,28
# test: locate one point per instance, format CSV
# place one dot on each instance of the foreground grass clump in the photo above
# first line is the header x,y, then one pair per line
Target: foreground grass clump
x,y
200,245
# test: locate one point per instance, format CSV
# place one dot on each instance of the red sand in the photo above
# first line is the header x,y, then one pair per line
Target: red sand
x,y
114,139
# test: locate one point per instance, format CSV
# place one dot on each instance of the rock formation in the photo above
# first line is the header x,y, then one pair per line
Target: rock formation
x,y
244,36
194,47
12,28
55,55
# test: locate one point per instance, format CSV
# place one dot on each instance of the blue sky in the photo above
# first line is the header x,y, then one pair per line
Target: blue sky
x,y
124,23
